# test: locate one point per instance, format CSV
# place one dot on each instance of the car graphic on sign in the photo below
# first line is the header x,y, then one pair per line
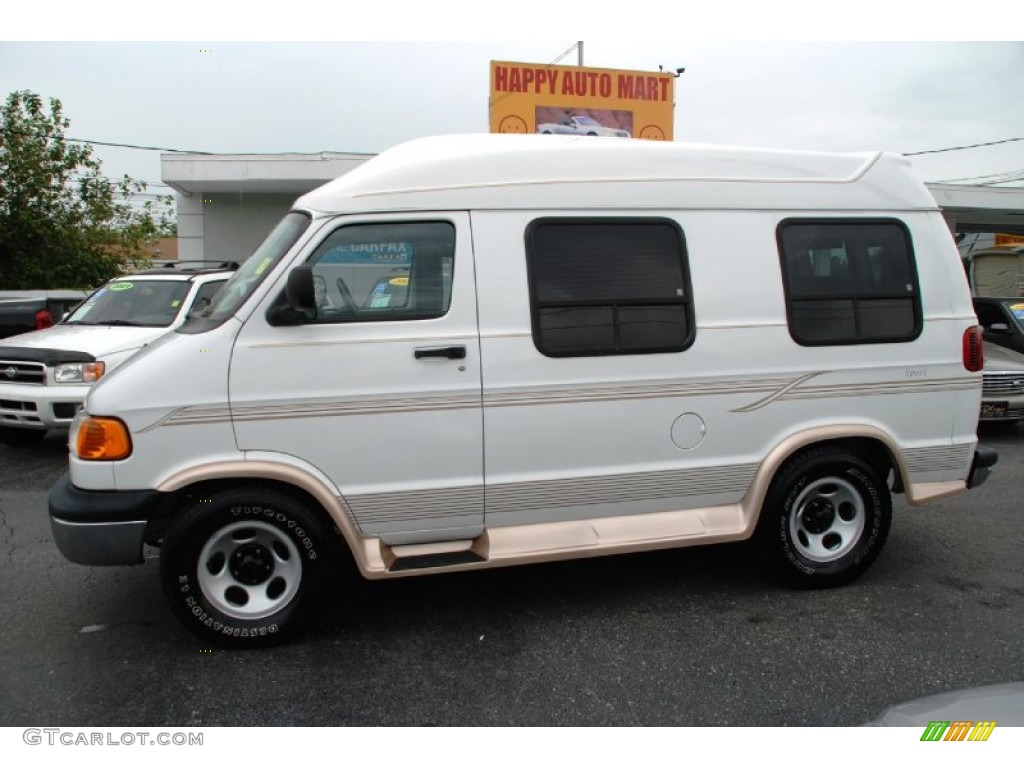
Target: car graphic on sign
x,y
581,125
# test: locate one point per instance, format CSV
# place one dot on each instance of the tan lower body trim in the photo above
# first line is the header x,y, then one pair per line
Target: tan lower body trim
x,y
540,542
919,493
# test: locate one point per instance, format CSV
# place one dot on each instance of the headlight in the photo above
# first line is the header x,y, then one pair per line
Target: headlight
x,y
78,373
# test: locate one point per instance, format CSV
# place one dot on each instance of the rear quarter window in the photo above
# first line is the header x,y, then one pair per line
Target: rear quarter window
x,y
849,281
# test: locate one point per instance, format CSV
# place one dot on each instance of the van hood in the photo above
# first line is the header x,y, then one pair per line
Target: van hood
x,y
96,340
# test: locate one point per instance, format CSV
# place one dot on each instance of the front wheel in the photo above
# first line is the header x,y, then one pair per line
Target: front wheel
x,y
825,519
245,568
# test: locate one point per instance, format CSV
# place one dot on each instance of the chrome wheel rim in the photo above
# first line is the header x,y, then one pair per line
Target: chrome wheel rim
x,y
828,519
249,570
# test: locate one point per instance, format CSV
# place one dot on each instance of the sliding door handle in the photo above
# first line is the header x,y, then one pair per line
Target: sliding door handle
x,y
452,353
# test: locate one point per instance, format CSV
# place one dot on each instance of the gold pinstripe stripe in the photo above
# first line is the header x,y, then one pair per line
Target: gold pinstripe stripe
x,y
377,508
608,489
416,505
937,459
797,392
777,388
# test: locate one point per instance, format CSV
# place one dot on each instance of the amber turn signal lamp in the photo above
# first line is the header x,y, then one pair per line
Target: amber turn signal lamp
x,y
103,439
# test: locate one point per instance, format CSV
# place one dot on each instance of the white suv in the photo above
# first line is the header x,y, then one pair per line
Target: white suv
x,y
45,375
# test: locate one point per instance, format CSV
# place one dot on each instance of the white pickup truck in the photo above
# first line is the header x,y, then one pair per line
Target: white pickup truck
x,y
45,375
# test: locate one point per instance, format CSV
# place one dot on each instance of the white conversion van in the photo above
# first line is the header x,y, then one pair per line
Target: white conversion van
x,y
478,351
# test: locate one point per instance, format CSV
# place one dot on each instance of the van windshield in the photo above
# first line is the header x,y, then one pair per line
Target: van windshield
x,y
255,268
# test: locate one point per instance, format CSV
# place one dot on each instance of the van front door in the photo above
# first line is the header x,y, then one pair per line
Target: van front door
x,y
381,390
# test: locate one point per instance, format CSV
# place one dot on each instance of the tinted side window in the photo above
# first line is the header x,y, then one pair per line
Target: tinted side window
x,y
608,287
849,281
393,271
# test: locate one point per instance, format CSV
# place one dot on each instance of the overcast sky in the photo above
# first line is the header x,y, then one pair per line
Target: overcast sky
x,y
271,97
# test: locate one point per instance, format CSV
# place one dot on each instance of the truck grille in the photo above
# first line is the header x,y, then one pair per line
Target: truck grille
x,y
20,372
994,383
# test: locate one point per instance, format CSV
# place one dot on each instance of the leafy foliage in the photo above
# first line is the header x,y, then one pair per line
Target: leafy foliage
x,y
62,223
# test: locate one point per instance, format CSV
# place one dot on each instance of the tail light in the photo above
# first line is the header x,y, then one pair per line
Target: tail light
x,y
974,350
43,319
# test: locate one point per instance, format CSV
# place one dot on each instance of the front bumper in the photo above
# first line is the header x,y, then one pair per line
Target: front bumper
x,y
38,406
100,527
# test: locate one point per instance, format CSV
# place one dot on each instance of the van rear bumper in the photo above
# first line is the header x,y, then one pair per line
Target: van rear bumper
x,y
985,458
100,527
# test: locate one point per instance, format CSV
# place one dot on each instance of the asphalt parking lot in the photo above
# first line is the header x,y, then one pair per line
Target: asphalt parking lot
x,y
690,637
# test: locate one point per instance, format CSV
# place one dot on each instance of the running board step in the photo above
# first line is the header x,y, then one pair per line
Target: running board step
x,y
436,560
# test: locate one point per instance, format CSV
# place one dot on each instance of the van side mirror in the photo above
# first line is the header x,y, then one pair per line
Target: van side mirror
x,y
299,303
301,291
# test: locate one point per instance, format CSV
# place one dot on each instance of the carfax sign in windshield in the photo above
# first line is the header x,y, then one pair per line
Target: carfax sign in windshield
x,y
392,254
581,101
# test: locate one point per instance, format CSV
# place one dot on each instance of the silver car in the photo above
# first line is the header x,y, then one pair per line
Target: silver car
x,y
1002,393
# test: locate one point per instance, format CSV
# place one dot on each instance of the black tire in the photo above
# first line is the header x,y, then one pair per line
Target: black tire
x,y
825,519
591,133
247,567
21,438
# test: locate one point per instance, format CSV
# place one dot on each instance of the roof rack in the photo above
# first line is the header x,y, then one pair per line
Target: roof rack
x,y
187,267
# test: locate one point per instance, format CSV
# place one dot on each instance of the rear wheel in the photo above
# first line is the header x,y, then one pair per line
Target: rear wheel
x,y
825,519
21,438
246,568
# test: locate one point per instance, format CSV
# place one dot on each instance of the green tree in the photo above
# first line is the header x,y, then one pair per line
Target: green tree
x,y
62,223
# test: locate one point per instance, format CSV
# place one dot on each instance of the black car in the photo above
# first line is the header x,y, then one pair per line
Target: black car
x,y
1002,320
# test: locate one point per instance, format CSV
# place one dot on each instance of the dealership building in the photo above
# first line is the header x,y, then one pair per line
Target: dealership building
x,y
227,204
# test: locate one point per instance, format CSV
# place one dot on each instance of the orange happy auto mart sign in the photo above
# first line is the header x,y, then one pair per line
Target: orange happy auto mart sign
x,y
537,98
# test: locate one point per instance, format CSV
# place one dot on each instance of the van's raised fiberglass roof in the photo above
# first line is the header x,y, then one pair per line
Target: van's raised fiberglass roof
x,y
481,171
